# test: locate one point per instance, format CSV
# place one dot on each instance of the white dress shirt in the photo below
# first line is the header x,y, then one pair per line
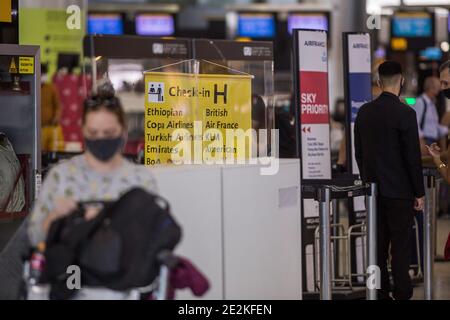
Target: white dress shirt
x,y
432,129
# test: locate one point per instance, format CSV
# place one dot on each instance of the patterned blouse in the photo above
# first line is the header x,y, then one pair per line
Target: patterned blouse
x,y
75,179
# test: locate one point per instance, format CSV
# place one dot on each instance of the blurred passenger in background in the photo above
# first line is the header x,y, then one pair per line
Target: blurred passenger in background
x,y
284,122
51,133
434,149
438,152
430,129
446,120
337,136
259,122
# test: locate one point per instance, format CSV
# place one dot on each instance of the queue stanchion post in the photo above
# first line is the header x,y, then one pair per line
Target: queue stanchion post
x,y
433,222
325,243
335,233
428,251
371,238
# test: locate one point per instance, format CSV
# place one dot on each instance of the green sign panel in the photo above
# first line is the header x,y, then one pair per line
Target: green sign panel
x,y
49,29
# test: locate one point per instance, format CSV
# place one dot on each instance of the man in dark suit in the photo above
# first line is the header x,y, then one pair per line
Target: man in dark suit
x,y
387,150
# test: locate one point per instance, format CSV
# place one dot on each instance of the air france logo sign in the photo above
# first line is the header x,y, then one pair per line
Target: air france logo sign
x,y
321,44
360,46
359,79
156,92
314,105
359,73
315,44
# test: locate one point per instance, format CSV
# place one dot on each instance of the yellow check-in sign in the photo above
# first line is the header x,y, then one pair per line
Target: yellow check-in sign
x,y
190,116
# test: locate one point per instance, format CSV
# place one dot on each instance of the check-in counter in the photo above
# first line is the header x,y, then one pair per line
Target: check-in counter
x,y
242,229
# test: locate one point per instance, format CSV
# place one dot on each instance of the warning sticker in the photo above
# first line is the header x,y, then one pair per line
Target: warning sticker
x,y
26,65
12,66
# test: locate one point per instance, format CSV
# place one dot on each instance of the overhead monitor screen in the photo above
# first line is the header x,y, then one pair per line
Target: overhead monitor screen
x,y
431,54
307,21
155,25
105,24
412,25
256,25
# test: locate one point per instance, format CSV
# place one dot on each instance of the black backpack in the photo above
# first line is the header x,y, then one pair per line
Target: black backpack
x,y
118,249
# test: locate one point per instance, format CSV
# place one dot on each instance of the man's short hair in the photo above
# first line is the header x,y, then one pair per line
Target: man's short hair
x,y
445,65
389,71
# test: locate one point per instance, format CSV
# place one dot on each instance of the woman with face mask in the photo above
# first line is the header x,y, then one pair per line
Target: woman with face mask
x,y
434,150
100,174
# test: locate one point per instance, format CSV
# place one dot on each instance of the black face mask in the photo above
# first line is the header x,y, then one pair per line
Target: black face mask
x,y
446,93
104,149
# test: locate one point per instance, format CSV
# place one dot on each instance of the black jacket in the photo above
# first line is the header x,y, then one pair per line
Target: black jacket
x,y
387,147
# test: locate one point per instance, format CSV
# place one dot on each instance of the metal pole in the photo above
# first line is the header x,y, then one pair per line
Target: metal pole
x,y
371,238
325,244
335,232
163,283
93,65
428,259
436,191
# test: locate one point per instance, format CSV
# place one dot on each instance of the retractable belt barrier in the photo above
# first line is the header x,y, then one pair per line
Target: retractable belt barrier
x,y
324,194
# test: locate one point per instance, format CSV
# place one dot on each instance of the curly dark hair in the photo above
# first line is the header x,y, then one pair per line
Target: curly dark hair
x,y
104,99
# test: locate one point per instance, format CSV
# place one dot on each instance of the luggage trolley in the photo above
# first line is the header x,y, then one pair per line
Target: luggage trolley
x,y
340,237
34,286
417,267
345,236
157,290
327,278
